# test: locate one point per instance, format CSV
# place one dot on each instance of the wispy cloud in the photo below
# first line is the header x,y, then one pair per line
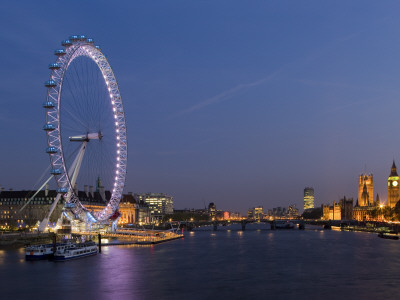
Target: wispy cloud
x,y
225,95
345,106
383,92
311,82
228,94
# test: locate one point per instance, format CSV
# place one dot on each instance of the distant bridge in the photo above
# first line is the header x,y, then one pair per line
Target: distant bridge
x,y
300,224
275,224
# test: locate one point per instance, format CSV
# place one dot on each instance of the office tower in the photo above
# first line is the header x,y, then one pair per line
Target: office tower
x,y
308,198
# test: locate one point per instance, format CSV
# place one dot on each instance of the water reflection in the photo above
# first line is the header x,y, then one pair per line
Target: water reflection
x,y
3,255
222,264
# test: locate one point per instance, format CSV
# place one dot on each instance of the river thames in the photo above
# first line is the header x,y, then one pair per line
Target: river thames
x,y
226,264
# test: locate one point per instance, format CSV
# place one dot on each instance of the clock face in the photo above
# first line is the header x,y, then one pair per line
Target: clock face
x,y
395,183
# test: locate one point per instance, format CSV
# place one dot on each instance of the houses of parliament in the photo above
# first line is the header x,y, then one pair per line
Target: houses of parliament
x,y
366,189
366,207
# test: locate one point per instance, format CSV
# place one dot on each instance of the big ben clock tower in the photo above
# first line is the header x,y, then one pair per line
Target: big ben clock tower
x,y
393,187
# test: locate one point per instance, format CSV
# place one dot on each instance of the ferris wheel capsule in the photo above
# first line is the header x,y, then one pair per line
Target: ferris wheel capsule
x,y
66,43
49,127
51,150
56,172
62,190
50,83
48,104
59,52
54,66
74,38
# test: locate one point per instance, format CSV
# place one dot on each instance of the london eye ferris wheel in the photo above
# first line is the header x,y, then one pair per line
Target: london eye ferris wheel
x,y
85,126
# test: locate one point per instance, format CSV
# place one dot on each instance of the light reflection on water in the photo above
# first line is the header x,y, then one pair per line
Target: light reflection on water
x,y
3,255
277,264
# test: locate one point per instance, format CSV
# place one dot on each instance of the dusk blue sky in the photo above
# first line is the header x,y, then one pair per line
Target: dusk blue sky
x,y
241,103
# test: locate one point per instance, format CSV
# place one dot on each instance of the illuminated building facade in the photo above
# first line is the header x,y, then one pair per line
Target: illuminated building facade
x,y
133,211
363,213
332,212
255,213
159,204
364,199
365,190
128,210
37,209
343,210
308,198
258,213
212,211
277,213
12,201
292,212
393,187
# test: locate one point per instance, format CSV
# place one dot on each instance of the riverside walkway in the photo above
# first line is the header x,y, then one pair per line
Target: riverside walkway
x,y
136,237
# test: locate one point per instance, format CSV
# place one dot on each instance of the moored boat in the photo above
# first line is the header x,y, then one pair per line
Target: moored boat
x,y
43,251
76,251
38,252
388,236
284,225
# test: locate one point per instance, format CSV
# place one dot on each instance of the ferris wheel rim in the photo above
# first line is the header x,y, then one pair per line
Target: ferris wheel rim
x,y
80,46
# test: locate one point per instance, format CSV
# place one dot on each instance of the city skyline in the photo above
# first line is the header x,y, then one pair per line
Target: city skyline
x,y
241,107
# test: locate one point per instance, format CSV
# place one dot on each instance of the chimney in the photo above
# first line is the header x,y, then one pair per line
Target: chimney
x,y
46,191
86,189
102,193
91,190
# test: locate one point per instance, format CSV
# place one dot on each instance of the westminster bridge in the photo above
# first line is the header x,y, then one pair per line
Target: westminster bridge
x,y
349,225
274,224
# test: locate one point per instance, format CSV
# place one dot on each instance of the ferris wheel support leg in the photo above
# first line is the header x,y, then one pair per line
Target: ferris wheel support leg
x,y
74,173
75,167
78,163
45,221
30,199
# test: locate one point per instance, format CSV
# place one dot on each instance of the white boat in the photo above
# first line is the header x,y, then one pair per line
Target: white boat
x,y
44,251
76,251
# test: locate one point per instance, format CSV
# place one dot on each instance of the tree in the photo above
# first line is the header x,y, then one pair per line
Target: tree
x,y
312,213
388,213
375,213
396,211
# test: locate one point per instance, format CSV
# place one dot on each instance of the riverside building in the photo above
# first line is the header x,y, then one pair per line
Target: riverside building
x,y
159,204
133,211
16,211
212,211
256,213
308,198
342,210
365,190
